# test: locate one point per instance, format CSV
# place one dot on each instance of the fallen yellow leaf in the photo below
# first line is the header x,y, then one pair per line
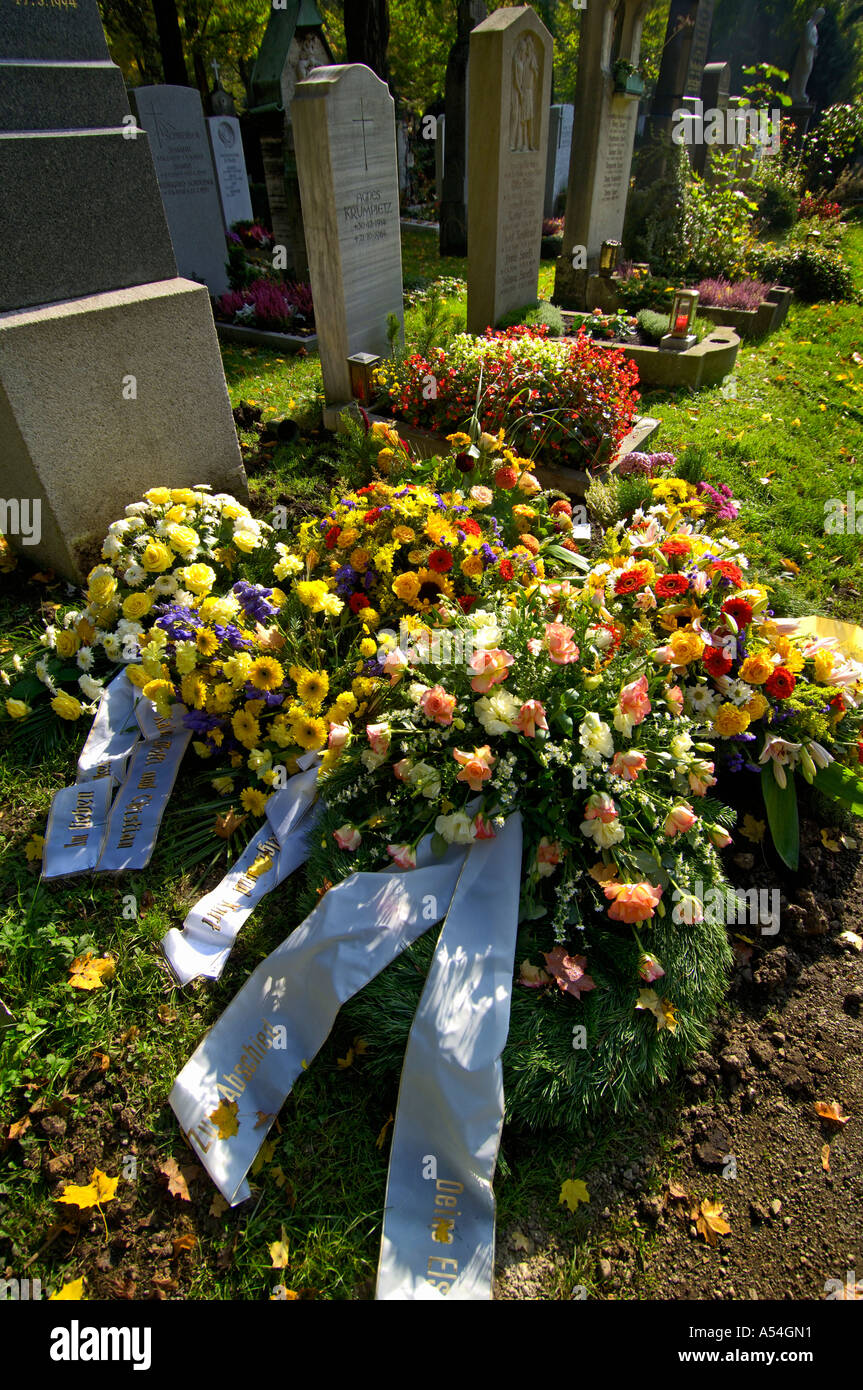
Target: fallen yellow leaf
x,y
573,1191
90,972
711,1222
224,1117
100,1189
69,1292
279,1252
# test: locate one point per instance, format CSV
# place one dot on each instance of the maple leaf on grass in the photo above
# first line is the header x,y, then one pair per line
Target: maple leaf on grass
x,y
90,972
711,1222
573,1191
568,971
662,1009
533,976
279,1252
100,1189
225,826
224,1117
753,829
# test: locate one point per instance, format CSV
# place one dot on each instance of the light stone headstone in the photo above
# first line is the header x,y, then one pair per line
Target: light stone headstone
x,y
344,133
559,146
229,162
510,85
111,379
699,47
604,124
174,120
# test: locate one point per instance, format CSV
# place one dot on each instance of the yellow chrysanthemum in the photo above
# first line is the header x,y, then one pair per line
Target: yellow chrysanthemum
x,y
346,702
757,706
161,693
756,669
246,728
265,673
309,733
312,687
472,566
138,676
253,801
193,689
311,593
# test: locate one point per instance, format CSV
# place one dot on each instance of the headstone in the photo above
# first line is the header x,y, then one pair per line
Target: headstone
x,y
439,156
715,89
110,375
559,146
600,163
402,152
174,120
344,132
292,47
229,162
698,48
510,79
453,208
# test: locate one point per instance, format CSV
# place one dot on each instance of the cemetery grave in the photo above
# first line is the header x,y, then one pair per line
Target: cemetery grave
x,y
432,710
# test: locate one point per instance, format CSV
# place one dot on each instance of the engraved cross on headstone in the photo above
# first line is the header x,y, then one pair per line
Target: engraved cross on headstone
x,y
362,121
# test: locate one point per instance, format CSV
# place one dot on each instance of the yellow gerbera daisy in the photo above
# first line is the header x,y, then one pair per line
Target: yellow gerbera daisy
x,y
312,688
265,673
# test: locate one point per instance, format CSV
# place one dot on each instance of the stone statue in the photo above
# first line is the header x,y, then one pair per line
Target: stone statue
x,y
221,102
805,59
523,125
308,59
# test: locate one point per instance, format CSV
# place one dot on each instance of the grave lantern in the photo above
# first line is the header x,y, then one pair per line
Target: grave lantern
x,y
680,335
608,258
361,367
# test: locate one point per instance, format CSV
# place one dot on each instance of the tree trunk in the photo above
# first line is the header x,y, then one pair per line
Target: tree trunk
x,y
367,34
171,43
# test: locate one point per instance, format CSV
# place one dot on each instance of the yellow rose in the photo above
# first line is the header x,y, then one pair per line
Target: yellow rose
x,y
67,643
176,514
233,509
247,541
182,539
756,669
67,706
138,676
136,605
156,557
16,709
158,496
85,631
278,598
184,495
199,578
101,586
406,587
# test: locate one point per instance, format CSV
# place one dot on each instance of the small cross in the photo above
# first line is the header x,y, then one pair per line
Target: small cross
x,y
362,121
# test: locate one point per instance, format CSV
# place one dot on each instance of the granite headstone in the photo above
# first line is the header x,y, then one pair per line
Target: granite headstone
x,y
229,162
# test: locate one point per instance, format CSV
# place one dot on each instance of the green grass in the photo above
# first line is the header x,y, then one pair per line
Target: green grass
x,y
325,1179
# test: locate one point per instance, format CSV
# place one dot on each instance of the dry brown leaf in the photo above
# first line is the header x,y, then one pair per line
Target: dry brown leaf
x,y
166,1014
711,1223
225,826
183,1244
382,1137
103,1061
831,1112
218,1206
825,1157
677,1193
264,1155
177,1185
19,1127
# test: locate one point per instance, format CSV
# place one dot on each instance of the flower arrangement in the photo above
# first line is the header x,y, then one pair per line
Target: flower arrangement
x,y
567,400
820,207
770,701
618,326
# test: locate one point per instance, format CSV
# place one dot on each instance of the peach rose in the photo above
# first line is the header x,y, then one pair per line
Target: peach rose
x,y
633,700
403,856
679,819
491,668
379,737
600,806
558,640
548,855
475,767
531,717
631,902
628,764
347,837
436,704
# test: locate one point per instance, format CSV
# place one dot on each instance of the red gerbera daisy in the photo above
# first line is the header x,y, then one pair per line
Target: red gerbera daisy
x,y
466,602
358,601
740,610
670,585
372,515
676,546
332,536
716,662
728,571
469,526
630,580
506,569
440,561
781,683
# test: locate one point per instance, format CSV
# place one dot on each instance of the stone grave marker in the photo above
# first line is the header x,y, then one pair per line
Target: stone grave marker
x,y
229,162
174,120
601,155
510,80
110,375
559,146
344,132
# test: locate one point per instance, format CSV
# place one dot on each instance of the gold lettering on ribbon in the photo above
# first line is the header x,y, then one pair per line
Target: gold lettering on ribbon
x,y
82,821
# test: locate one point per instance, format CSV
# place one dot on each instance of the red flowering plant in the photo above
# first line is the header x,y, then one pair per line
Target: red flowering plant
x,y
558,400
